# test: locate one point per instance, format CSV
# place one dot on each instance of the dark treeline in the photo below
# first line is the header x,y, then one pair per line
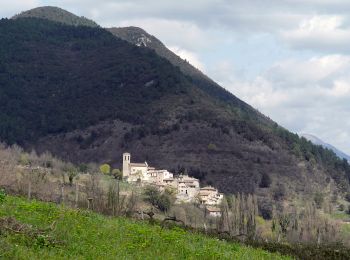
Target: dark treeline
x,y
56,78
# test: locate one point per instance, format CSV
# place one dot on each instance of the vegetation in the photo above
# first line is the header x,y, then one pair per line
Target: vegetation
x,y
2,196
161,200
56,78
58,15
319,199
44,177
265,181
339,169
105,168
103,79
117,174
36,230
347,197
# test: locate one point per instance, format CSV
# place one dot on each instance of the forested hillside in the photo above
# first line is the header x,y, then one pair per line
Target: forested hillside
x,y
86,95
58,78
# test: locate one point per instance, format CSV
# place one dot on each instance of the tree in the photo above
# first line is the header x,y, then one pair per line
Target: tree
x,y
164,202
151,194
266,208
265,181
161,200
105,168
117,174
72,173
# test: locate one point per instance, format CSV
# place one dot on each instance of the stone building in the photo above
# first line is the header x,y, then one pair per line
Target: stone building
x,y
187,188
161,178
210,196
134,172
213,211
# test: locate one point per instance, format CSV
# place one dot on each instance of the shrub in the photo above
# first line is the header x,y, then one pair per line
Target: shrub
x,y
24,160
105,168
72,173
266,209
318,198
83,168
211,147
347,197
117,174
279,192
2,196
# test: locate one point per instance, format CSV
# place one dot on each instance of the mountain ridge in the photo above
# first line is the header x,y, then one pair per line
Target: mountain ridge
x,y
314,139
137,36
56,14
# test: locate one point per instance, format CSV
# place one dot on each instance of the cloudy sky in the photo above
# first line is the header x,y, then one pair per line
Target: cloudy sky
x,y
290,59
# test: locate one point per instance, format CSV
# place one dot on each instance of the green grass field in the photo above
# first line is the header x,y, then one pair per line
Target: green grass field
x,y
37,230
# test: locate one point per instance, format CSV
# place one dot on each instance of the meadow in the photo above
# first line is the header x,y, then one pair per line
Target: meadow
x,y
38,230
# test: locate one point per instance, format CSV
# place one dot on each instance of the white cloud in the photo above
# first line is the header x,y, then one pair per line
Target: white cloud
x,y
321,32
10,8
304,95
341,88
308,71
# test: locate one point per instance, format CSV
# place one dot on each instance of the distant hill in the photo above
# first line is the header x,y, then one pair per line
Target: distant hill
x,y
318,141
58,15
88,96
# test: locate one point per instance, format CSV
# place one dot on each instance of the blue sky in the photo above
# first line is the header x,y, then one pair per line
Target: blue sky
x,y
290,59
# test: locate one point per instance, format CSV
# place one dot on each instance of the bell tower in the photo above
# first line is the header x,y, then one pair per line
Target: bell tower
x,y
126,162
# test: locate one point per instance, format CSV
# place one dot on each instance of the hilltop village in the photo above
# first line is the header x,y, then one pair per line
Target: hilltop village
x,y
187,188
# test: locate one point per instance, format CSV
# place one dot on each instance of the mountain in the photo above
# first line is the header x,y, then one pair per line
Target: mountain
x,y
318,141
141,38
88,96
58,15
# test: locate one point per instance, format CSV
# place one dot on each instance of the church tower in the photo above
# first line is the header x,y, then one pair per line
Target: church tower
x,y
126,166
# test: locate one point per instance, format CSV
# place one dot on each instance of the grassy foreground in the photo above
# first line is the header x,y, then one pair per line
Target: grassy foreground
x,y
37,230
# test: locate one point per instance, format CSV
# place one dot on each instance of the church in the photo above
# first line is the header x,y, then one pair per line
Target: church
x,y
142,172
